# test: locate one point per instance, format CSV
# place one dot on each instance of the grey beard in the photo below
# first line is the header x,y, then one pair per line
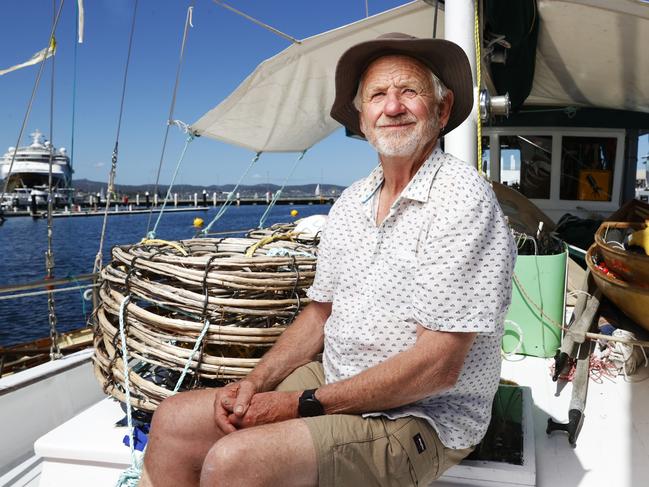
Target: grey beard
x,y
404,145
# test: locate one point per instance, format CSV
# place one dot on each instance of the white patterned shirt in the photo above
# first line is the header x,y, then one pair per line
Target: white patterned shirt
x,y
442,258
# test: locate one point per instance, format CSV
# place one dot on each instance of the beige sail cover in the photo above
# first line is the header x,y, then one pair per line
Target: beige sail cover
x,y
590,53
283,106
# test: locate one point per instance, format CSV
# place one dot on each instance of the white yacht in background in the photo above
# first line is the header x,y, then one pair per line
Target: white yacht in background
x,y
30,173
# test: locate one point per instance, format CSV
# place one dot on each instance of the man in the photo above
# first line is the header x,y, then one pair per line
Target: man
x,y
413,281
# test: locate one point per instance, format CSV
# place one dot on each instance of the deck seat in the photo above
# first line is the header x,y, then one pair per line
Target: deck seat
x,y
88,450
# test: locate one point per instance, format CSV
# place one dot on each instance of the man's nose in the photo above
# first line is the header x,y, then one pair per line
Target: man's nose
x,y
393,106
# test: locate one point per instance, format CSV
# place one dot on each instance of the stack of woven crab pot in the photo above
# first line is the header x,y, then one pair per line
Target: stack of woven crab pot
x,y
197,312
619,263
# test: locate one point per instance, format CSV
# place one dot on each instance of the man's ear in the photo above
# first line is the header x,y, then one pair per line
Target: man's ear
x,y
445,107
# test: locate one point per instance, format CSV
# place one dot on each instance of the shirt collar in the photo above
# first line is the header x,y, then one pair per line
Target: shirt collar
x,y
418,188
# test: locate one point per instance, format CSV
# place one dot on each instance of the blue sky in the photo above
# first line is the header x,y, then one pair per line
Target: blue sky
x,y
222,50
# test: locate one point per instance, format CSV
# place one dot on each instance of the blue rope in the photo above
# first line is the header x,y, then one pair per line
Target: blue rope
x,y
206,327
277,194
83,301
151,234
131,476
226,204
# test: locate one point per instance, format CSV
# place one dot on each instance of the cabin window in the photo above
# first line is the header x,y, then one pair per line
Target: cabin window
x,y
526,164
587,165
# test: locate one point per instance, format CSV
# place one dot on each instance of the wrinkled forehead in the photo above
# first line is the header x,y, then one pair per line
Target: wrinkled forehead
x,y
397,69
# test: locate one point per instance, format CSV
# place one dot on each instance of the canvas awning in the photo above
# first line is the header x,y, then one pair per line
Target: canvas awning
x,y
589,53
283,106
592,53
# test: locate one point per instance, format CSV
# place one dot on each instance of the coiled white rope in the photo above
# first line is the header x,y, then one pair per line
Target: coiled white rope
x,y
507,355
625,356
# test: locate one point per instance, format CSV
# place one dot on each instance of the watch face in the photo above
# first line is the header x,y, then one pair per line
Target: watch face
x,y
309,405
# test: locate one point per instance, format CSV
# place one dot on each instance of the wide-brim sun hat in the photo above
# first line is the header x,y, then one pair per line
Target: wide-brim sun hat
x,y
446,59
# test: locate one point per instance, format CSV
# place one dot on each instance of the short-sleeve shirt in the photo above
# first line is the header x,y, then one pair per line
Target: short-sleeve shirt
x,y
442,258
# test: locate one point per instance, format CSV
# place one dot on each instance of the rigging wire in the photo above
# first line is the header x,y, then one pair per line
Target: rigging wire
x,y
113,168
52,47
152,234
277,194
188,23
258,22
228,201
55,351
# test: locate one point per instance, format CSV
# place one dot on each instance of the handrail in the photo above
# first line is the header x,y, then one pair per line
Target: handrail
x,y
47,282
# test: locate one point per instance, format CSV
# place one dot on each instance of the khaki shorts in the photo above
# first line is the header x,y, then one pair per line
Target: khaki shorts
x,y
357,451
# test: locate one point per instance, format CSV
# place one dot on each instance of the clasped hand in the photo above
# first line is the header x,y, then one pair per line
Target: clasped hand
x,y
238,405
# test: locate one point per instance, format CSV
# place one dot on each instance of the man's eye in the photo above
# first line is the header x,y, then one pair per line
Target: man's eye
x,y
377,95
409,92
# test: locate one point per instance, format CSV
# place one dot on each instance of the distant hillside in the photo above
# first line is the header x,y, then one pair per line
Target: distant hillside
x,y
87,186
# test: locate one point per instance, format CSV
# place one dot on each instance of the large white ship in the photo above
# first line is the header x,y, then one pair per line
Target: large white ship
x,y
28,178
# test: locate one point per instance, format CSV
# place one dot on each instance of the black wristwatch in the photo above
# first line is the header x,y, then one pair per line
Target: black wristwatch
x,y
309,405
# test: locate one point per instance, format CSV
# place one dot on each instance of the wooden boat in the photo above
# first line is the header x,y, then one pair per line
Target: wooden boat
x,y
564,78
631,298
631,266
26,355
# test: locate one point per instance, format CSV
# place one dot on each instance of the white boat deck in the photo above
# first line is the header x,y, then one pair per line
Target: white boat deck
x,y
613,447
33,402
612,450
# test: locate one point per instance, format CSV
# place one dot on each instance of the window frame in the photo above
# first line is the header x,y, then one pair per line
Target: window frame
x,y
555,203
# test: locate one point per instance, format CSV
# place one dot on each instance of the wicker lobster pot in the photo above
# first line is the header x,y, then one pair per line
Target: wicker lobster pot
x,y
174,289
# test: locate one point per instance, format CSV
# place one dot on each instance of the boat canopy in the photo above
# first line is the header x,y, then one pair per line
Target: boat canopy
x,y
283,106
589,53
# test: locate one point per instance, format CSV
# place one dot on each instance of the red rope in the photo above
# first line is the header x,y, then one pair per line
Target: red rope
x,y
598,370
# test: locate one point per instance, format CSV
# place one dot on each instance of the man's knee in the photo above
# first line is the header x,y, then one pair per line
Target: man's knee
x,y
225,459
165,412
173,414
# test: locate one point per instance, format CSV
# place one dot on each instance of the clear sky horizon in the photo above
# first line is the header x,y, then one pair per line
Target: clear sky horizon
x,y
222,49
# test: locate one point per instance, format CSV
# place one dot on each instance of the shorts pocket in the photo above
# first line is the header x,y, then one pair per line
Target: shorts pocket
x,y
419,442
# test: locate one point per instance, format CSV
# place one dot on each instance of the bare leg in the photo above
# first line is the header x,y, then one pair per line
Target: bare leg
x,y
269,455
182,432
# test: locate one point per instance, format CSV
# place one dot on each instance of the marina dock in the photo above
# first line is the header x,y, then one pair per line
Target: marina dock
x,y
188,205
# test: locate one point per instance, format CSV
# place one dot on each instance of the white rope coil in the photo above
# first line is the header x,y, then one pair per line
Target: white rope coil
x,y
625,356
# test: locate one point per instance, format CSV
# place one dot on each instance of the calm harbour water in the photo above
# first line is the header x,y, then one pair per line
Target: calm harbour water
x,y
23,243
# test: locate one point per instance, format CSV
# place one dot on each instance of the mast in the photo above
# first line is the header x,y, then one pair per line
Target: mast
x,y
459,18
